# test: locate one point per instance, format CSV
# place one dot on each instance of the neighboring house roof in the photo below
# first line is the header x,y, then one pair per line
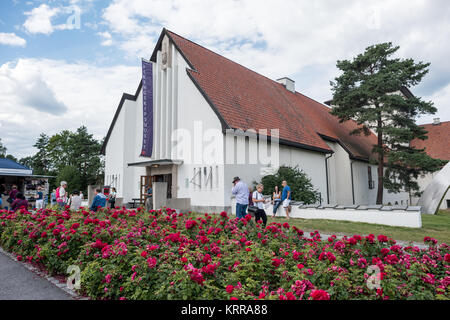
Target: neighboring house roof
x,y
436,146
10,164
244,99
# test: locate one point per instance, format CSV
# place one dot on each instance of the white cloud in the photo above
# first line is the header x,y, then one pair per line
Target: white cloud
x,y
41,19
90,93
107,39
441,100
11,39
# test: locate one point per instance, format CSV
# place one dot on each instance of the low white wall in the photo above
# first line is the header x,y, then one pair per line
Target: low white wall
x,y
394,218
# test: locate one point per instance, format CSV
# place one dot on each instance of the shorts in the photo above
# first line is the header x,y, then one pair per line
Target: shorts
x,y
286,203
39,204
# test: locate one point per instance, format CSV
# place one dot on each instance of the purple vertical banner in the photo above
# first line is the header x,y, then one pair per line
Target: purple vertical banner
x,y
147,103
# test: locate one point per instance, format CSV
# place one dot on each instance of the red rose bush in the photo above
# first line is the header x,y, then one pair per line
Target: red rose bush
x,y
133,254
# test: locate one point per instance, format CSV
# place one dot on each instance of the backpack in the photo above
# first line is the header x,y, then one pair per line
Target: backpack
x,y
58,198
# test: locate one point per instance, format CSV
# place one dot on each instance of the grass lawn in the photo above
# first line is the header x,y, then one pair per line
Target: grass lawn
x,y
435,226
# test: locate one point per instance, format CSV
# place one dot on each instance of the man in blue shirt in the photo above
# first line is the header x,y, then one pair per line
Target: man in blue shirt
x,y
286,198
99,200
240,190
149,198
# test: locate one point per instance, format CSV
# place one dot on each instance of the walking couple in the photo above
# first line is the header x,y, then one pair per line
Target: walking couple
x,y
284,198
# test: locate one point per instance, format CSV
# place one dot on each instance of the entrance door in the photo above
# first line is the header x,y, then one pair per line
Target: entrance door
x,y
147,181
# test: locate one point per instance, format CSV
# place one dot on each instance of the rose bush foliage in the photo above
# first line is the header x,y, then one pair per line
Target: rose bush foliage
x,y
133,254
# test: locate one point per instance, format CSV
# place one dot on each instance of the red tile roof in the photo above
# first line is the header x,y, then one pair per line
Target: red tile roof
x,y
245,99
438,143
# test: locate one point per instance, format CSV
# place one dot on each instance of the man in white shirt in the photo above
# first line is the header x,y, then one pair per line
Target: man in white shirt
x,y
75,204
259,200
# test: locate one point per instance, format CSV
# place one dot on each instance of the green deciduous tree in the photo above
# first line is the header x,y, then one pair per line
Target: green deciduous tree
x,y
72,176
4,154
63,153
2,149
41,162
301,186
368,93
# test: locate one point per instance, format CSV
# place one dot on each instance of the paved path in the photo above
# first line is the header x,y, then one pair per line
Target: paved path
x,y
19,283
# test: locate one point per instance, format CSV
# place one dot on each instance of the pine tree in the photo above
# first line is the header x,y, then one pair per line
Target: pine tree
x,y
368,92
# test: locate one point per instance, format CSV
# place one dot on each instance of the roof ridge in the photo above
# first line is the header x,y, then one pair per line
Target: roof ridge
x,y
222,56
432,124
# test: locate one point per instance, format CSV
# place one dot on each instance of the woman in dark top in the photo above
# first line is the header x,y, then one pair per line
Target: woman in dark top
x,y
250,198
19,202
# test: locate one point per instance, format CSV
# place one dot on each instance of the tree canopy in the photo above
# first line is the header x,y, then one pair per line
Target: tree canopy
x,y
71,156
4,154
368,92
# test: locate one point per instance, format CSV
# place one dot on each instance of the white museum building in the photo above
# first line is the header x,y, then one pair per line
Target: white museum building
x,y
212,116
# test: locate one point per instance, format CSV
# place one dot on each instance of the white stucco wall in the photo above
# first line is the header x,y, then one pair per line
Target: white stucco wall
x,y
339,175
197,119
312,163
114,156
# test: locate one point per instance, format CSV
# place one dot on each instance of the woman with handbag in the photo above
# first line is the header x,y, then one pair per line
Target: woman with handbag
x,y
276,200
259,200
112,198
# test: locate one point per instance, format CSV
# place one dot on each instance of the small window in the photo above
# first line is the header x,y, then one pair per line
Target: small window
x,y
369,174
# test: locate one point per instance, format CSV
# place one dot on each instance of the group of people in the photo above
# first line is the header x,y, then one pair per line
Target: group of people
x,y
249,201
59,197
16,199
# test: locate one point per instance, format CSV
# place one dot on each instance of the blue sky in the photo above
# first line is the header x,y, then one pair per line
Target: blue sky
x,y
66,63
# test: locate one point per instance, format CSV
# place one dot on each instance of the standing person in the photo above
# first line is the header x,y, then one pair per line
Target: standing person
x,y
258,200
75,202
2,192
53,197
81,195
112,198
286,198
19,202
13,194
240,190
250,199
40,199
276,200
61,194
149,198
99,200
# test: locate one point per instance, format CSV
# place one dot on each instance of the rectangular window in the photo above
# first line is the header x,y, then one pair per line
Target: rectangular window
x,y
371,182
217,177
